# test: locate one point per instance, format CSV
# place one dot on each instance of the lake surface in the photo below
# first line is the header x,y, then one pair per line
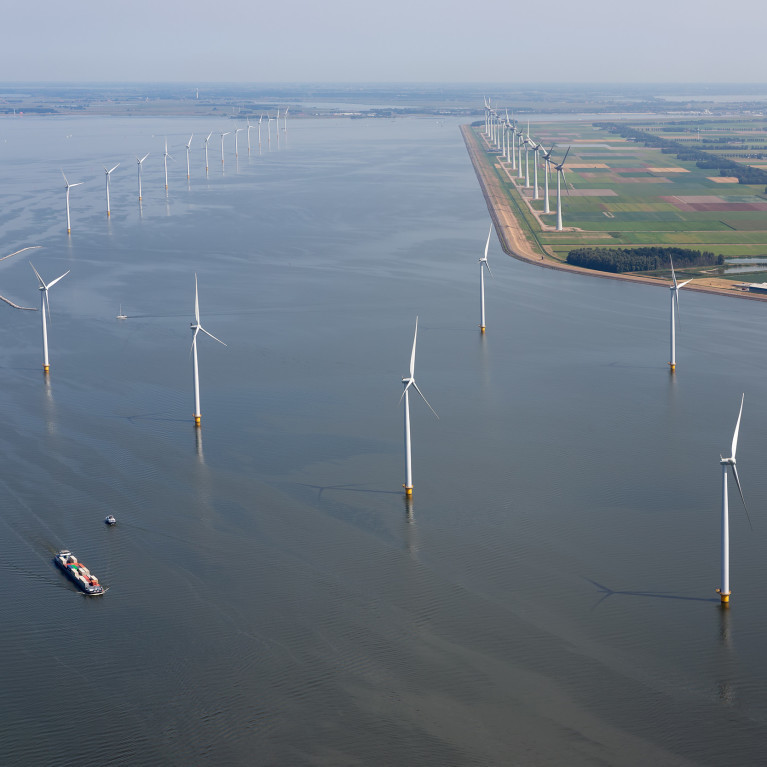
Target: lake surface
x,y
547,597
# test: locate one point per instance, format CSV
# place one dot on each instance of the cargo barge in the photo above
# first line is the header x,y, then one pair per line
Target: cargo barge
x,y
78,573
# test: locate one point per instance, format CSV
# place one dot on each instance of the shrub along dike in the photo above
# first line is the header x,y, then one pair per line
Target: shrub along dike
x,y
618,260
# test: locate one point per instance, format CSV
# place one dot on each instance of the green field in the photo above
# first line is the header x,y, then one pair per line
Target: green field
x,y
648,197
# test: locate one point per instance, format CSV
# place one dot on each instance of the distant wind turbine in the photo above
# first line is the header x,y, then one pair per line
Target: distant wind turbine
x,y
408,382
675,288
259,131
222,144
560,169
45,305
249,127
69,186
236,150
139,163
109,173
196,328
188,147
205,142
269,129
547,160
482,266
285,119
165,163
724,589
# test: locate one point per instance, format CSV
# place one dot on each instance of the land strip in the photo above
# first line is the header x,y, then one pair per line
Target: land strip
x,y
516,243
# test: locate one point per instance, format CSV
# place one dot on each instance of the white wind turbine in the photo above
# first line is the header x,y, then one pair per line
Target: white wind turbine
x,y
165,163
261,117
528,143
196,328
277,126
560,169
408,382
537,146
109,173
724,589
139,163
236,149
222,144
205,143
675,288
482,266
45,305
285,120
69,186
269,129
547,160
249,127
188,147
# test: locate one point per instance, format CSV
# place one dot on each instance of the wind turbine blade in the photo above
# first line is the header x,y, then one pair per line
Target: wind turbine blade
x,y
51,284
79,183
409,384
194,340
681,284
488,268
211,335
209,135
48,307
565,157
189,143
678,315
42,284
412,355
65,178
487,244
673,273
737,428
196,303
115,167
415,386
740,490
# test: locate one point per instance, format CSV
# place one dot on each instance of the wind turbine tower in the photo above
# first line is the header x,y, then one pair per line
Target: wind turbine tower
x,y
45,305
675,288
408,382
69,186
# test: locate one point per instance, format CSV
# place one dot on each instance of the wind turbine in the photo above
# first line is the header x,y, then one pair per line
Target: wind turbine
x,y
277,126
236,131
269,129
222,144
188,147
249,127
165,162
528,143
537,146
547,160
108,172
285,120
44,304
675,288
482,266
69,186
259,131
560,169
205,142
139,162
408,382
196,328
724,589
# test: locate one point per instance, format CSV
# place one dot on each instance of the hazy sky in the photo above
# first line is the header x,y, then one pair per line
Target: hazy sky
x,y
389,40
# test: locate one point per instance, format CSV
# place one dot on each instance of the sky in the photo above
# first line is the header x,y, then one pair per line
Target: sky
x,y
386,41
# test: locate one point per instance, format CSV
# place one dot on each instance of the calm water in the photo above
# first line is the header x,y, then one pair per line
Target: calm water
x,y
547,598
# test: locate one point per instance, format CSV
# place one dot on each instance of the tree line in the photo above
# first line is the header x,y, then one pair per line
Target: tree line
x,y
618,260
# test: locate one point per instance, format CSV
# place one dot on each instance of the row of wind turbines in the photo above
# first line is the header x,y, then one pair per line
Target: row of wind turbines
x,y
188,146
726,463
510,140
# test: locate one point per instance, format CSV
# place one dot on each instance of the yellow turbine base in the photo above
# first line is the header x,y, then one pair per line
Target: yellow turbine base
x,y
725,598
46,369
672,366
481,328
197,420
107,213
69,231
408,490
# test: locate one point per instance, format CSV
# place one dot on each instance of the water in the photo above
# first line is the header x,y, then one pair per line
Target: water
x,y
548,596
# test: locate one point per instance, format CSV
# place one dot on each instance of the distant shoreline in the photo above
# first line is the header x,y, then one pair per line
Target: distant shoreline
x,y
515,244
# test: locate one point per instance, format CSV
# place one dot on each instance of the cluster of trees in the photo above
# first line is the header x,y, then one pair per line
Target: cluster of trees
x,y
620,260
744,173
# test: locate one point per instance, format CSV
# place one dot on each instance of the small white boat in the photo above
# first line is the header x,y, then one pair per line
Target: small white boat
x,y
122,316
110,520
